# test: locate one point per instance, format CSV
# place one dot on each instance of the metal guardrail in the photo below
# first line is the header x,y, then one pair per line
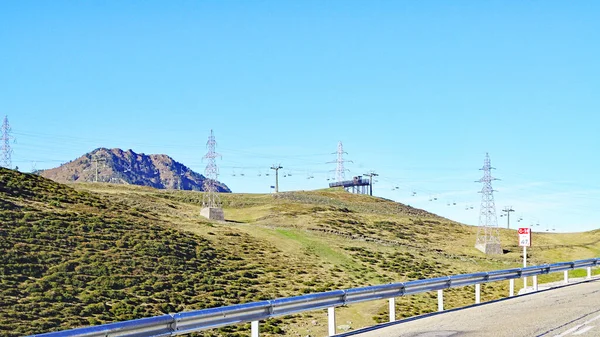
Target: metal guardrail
x,y
193,321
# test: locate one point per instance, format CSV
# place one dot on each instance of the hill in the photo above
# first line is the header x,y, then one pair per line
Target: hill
x,y
81,254
127,167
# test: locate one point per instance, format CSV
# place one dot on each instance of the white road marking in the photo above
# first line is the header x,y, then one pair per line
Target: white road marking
x,y
568,332
576,328
584,330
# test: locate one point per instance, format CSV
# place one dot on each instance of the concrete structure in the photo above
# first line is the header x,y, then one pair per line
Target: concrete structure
x,y
489,247
213,213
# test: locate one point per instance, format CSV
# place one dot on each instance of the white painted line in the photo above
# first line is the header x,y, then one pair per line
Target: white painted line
x,y
576,328
568,332
593,319
584,330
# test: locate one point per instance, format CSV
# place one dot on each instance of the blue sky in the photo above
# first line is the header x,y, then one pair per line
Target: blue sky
x,y
417,91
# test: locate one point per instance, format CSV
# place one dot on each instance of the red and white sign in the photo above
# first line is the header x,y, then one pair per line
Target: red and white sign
x,y
525,237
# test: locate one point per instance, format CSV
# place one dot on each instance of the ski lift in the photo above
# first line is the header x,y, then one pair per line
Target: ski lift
x,y
414,193
454,203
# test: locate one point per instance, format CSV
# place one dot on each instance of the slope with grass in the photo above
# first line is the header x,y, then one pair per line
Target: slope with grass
x,y
91,253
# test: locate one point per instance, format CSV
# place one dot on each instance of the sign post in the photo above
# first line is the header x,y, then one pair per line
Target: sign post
x,y
525,241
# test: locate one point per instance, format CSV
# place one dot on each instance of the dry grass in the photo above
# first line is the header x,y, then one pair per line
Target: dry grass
x,y
301,242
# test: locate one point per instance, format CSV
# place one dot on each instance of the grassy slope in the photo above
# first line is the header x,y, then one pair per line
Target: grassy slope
x,y
271,246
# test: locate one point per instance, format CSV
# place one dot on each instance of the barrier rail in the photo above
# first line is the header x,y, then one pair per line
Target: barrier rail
x,y
192,321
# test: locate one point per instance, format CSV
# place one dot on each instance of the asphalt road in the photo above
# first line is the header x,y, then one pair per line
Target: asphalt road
x,y
572,310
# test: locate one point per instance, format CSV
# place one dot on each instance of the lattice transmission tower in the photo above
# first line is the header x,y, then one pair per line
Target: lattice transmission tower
x,y
5,149
340,171
488,237
211,198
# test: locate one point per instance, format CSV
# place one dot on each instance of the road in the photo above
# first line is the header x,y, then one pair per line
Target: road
x,y
572,310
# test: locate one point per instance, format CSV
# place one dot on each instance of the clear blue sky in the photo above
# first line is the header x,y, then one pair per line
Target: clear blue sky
x,y
417,91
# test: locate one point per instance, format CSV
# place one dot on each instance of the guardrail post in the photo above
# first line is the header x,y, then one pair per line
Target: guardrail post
x,y
440,300
331,320
566,277
254,329
392,306
511,291
589,273
477,293
535,283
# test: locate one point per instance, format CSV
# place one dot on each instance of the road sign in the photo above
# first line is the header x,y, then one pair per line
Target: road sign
x,y
525,237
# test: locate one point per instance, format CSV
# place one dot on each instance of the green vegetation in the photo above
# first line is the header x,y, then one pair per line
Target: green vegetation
x,y
88,254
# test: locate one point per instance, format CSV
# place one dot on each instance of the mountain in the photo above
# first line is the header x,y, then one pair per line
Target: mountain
x,y
127,167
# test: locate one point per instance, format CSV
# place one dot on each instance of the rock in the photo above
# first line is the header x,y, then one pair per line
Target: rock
x,y
344,327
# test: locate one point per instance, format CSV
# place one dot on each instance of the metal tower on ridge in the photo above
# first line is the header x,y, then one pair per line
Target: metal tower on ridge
x,y
5,149
211,199
488,238
340,171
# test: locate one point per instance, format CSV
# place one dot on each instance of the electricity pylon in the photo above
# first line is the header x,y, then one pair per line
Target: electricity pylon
x,y
488,238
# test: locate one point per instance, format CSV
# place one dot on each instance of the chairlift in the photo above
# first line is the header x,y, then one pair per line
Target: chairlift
x,y
454,203
434,198
414,193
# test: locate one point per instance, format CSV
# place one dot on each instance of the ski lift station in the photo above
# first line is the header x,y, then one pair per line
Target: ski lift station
x,y
358,185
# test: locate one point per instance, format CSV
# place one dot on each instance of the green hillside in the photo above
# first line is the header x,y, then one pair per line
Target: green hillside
x,y
93,253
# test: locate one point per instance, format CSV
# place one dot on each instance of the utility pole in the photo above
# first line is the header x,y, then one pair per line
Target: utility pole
x,y
371,175
180,180
276,168
507,210
96,160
